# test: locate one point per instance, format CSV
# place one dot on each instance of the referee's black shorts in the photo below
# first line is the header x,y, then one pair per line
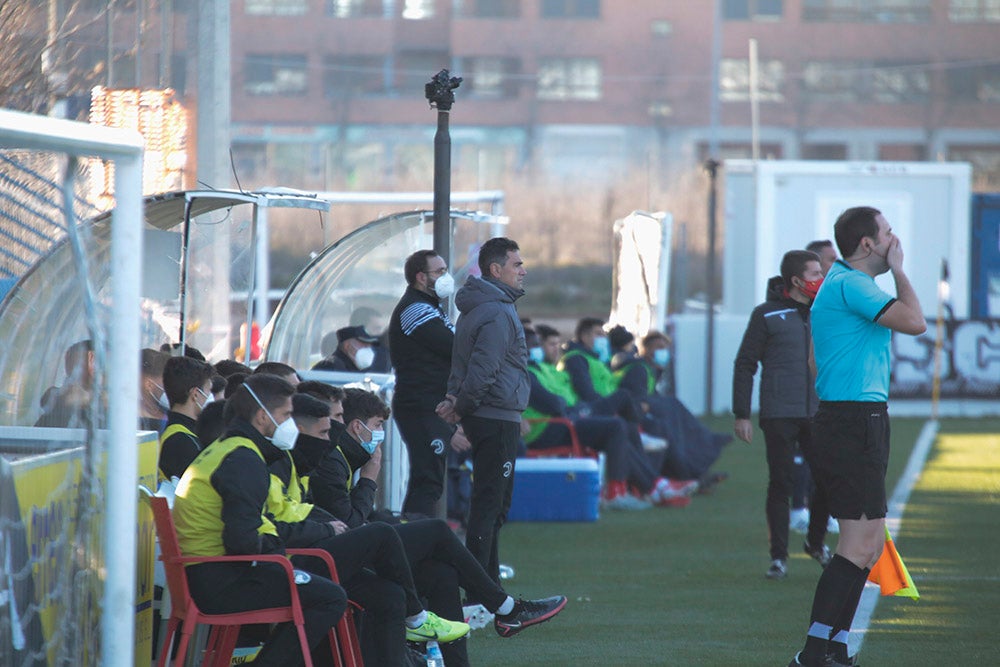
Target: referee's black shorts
x,y
849,454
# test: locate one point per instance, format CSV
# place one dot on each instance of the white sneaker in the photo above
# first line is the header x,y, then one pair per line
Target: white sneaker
x,y
477,616
626,502
651,443
798,520
833,526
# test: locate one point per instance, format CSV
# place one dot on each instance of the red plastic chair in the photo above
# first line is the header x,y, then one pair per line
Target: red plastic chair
x,y
222,640
572,450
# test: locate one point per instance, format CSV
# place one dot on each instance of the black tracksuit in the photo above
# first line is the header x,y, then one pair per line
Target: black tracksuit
x,y
777,338
178,450
420,343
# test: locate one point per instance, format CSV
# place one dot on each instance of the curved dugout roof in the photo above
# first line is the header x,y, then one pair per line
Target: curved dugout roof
x,y
363,270
43,314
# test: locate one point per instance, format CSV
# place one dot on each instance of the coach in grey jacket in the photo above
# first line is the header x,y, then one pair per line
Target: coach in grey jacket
x,y
777,338
488,389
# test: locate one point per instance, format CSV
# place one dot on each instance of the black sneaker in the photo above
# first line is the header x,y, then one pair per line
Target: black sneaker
x,y
832,662
821,555
527,613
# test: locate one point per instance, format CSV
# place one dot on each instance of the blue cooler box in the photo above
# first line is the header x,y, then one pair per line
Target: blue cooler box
x,y
555,490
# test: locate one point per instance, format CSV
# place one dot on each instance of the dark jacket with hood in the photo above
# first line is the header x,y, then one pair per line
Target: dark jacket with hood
x,y
777,337
489,363
331,478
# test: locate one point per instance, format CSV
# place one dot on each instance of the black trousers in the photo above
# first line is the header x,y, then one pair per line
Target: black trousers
x,y
374,570
221,588
494,448
427,438
783,438
441,564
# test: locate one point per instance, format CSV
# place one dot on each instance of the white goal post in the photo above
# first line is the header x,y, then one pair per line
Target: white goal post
x,y
124,148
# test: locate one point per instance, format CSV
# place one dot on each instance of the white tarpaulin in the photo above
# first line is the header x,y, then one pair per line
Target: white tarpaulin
x,y
641,271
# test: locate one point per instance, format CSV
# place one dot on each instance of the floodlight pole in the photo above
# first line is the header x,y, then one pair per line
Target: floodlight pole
x,y
440,93
712,166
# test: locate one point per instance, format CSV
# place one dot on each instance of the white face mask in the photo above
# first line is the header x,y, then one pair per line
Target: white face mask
x,y
444,286
285,433
162,399
364,357
208,399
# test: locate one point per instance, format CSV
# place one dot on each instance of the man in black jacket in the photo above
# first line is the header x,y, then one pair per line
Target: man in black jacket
x,y
420,341
488,390
777,337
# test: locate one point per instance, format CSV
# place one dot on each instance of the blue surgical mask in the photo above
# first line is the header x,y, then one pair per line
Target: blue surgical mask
x,y
375,438
536,354
661,357
602,348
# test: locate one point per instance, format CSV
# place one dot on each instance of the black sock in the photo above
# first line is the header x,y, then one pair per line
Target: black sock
x,y
833,590
842,628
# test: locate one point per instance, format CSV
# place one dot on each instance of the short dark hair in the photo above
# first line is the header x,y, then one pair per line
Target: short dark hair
x,y
181,375
853,225
416,263
189,351
307,409
211,423
152,362
816,246
233,383
545,331
218,383
652,337
495,251
531,338
793,264
363,405
228,367
274,368
271,390
619,337
587,323
320,390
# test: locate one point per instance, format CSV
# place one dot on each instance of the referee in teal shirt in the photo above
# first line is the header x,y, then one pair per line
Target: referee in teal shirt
x,y
852,325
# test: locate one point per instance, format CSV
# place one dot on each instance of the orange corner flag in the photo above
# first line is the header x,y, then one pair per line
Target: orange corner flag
x,y
891,574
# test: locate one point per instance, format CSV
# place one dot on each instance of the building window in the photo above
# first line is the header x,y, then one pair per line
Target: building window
x,y
417,10
347,9
492,76
349,76
271,74
275,7
415,68
752,10
734,80
830,81
867,11
571,9
569,79
489,9
895,83
824,152
899,84
978,83
968,11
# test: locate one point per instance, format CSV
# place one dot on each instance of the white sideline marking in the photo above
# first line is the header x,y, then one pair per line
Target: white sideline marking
x,y
893,519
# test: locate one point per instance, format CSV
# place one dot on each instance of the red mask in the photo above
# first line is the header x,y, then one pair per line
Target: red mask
x,y
811,287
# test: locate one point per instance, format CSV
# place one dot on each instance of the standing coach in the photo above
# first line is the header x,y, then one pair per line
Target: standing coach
x,y
420,341
852,325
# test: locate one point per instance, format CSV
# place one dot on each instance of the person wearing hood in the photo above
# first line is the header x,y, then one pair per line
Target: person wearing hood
x,y
777,338
488,390
420,341
355,353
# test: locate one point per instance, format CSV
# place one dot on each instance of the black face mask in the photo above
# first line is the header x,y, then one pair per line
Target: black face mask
x,y
353,451
308,452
